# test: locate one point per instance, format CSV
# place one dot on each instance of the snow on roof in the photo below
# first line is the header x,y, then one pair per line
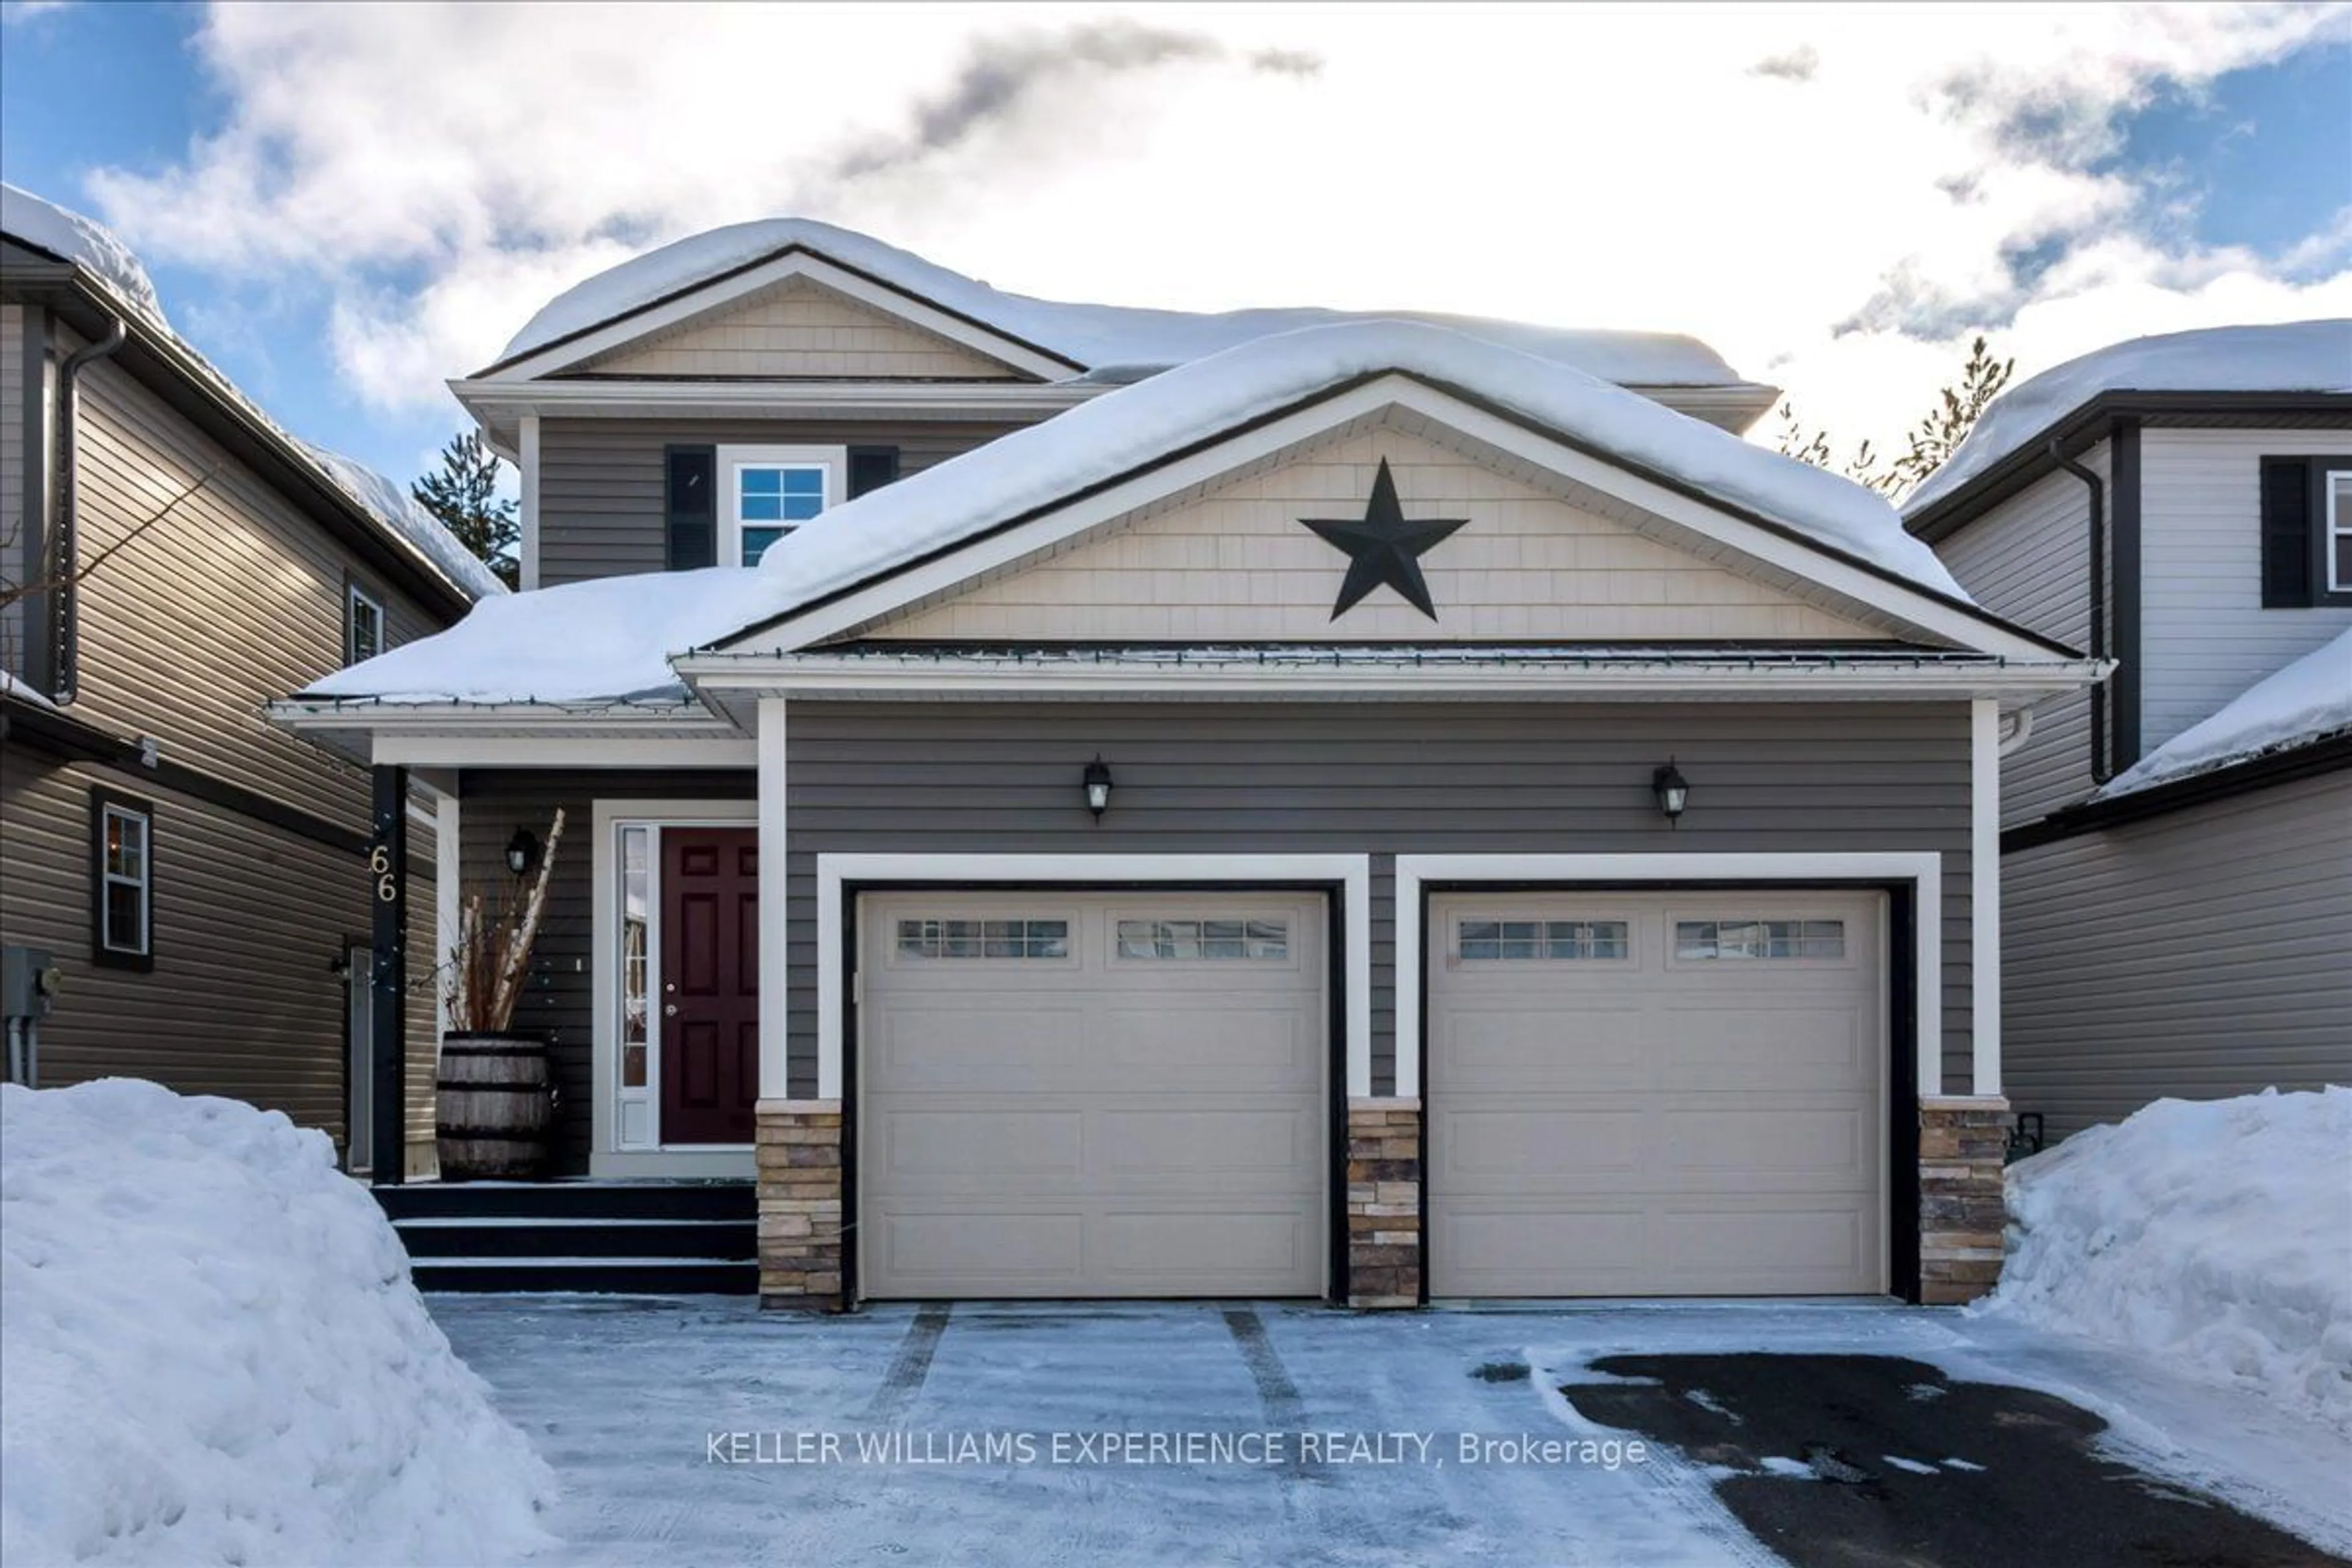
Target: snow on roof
x,y
2307,701
1122,430
1099,337
2297,356
111,264
608,639
611,639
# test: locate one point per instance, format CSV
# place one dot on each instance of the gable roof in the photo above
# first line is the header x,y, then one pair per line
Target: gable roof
x,y
111,273
1122,341
2227,362
1088,447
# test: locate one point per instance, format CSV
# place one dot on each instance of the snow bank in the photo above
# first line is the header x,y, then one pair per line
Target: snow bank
x,y
214,1353
2298,356
2215,1234
2307,700
1099,337
97,250
1136,424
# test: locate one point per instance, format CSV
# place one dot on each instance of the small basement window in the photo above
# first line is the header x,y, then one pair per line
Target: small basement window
x,y
123,880
771,490
1759,938
362,625
983,939
1483,940
1209,939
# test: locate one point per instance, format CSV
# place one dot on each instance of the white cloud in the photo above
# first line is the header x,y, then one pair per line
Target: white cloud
x,y
1756,177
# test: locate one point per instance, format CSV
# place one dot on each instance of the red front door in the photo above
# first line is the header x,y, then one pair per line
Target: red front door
x,y
711,983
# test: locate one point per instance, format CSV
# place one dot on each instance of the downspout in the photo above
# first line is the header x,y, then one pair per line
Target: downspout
x,y
2100,772
67,549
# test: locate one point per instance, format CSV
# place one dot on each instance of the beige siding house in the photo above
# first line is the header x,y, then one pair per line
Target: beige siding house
x,y
190,870
1086,802
2173,903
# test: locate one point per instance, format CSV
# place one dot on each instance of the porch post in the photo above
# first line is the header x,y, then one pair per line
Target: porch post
x,y
775,994
388,1030
1984,893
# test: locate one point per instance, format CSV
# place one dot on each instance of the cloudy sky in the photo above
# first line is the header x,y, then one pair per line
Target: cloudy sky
x,y
345,204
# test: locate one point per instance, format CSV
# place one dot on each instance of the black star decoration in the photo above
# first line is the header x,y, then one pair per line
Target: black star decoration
x,y
1382,547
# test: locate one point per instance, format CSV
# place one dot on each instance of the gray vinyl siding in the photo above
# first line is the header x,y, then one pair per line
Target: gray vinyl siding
x,y
422,1035
560,998
234,599
2205,634
601,480
1379,779
2028,560
2198,954
17,526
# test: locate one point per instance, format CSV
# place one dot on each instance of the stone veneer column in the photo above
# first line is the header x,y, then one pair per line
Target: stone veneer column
x,y
799,1154
1383,1203
1961,1209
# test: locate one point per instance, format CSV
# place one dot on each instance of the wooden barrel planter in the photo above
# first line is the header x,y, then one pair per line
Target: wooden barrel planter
x,y
497,1107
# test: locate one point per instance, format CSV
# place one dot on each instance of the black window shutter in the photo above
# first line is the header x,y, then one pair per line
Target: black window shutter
x,y
690,508
871,468
2287,532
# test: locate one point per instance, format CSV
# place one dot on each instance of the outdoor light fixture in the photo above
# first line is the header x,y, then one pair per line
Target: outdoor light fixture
x,y
1672,789
523,852
1097,782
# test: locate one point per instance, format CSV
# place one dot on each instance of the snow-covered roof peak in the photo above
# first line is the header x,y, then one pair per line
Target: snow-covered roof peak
x,y
2292,356
1138,425
2305,702
1093,337
116,268
89,245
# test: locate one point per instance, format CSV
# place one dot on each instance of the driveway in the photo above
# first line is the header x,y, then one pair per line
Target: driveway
x,y
706,1431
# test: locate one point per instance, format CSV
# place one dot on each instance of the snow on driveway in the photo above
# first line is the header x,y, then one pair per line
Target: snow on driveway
x,y
668,1422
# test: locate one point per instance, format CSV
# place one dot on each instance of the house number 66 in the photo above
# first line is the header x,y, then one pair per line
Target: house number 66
x,y
380,862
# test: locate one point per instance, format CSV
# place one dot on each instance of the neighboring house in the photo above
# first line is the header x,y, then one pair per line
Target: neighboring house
x,y
2178,844
1276,803
192,871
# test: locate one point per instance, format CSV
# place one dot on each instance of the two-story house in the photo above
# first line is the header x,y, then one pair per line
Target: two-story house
x,y
1080,801
170,559
2177,845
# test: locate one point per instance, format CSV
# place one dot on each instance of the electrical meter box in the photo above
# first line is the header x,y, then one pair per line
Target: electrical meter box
x,y
29,982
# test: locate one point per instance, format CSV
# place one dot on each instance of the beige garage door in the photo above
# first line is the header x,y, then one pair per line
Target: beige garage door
x,y
1091,1095
1639,1094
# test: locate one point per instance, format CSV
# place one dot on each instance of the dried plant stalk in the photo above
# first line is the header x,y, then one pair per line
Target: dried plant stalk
x,y
489,961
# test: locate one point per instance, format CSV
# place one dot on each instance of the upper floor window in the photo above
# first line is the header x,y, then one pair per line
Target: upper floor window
x,y
121,880
2306,527
362,624
771,490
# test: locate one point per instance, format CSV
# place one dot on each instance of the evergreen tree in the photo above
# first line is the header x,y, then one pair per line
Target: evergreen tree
x,y
1933,441
464,496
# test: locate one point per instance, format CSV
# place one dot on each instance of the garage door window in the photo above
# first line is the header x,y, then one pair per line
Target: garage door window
x,y
1499,939
1759,938
1205,939
983,939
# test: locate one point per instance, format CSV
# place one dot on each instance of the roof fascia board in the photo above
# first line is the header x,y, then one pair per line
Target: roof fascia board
x,y
712,294
2085,426
1859,584
818,674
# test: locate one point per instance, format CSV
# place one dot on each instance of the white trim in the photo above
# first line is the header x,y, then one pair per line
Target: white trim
x,y
355,596
1984,894
1922,869
448,897
831,462
527,466
144,816
801,262
1870,592
1353,873
570,751
775,925
606,1159
818,674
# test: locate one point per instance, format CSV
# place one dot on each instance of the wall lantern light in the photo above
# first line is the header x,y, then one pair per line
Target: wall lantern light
x,y
523,852
1673,791
1097,782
